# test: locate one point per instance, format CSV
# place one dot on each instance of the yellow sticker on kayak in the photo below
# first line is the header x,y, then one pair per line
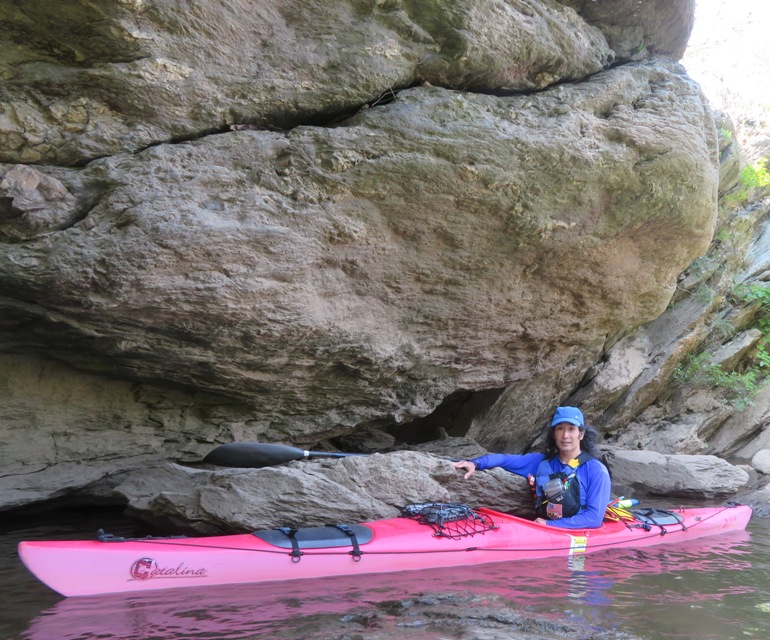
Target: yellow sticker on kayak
x,y
578,544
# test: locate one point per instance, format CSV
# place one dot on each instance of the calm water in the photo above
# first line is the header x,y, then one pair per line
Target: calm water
x,y
716,587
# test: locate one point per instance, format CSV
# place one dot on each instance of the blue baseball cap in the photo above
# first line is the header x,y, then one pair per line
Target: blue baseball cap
x,y
573,415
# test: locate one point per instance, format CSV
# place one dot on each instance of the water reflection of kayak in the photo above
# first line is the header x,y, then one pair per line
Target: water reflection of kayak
x,y
243,610
435,538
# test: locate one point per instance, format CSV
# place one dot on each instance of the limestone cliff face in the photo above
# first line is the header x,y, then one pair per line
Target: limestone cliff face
x,y
287,221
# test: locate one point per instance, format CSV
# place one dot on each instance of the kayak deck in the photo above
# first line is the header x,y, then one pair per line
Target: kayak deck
x,y
92,567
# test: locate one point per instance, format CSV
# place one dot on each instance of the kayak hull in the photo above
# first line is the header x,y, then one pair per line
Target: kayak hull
x,y
93,567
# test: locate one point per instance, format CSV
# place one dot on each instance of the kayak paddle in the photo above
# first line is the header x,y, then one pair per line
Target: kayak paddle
x,y
256,455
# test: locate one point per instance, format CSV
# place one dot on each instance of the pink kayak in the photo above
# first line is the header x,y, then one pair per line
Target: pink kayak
x,y
435,536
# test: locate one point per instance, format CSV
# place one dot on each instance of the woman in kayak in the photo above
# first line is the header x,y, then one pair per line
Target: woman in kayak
x,y
571,486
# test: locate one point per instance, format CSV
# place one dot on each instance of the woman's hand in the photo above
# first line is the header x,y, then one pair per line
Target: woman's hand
x,y
540,520
467,465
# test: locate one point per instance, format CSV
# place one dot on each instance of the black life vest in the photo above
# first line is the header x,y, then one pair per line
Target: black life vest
x,y
557,495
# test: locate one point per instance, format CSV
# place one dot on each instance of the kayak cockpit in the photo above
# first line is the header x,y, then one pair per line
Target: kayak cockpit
x,y
332,535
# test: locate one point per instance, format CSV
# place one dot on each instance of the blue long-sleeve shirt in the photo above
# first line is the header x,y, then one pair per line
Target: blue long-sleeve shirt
x,y
592,476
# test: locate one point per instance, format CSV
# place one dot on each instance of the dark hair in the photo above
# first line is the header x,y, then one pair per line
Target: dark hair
x,y
588,443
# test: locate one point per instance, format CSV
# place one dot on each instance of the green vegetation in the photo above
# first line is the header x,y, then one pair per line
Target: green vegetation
x,y
753,176
759,295
723,235
724,327
740,387
704,294
704,265
756,175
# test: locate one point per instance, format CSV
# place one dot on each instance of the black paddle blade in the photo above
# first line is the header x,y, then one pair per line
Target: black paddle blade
x,y
254,455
